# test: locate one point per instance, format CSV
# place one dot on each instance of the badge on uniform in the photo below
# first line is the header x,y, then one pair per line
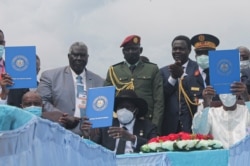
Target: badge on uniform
x,y
195,89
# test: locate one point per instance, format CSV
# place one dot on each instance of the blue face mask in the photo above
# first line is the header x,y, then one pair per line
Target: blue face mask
x,y
1,51
203,61
36,110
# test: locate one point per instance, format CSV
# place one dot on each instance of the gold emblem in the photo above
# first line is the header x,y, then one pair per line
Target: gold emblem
x,y
201,37
135,40
195,89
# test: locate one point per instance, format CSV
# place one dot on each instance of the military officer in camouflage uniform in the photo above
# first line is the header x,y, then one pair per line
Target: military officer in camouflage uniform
x,y
143,77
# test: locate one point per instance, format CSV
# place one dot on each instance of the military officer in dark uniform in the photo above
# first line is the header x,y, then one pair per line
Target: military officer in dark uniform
x,y
143,77
193,84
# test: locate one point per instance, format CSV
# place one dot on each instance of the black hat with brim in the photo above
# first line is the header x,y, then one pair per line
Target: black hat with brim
x,y
130,95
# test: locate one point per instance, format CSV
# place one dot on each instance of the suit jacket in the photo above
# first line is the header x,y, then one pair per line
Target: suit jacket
x,y
172,107
143,129
57,89
245,78
147,85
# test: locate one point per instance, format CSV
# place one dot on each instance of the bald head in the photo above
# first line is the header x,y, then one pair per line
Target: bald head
x,y
244,53
31,98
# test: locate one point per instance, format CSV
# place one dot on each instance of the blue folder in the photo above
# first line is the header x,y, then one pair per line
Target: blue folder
x,y
224,69
20,64
100,105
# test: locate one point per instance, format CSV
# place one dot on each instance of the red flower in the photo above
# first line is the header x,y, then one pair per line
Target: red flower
x,y
197,73
173,137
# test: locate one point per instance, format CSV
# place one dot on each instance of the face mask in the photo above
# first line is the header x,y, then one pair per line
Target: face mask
x,y
244,64
36,110
1,51
228,100
125,116
203,61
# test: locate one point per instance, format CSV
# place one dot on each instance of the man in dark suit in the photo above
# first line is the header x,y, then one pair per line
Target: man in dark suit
x,y
194,84
181,48
128,128
58,87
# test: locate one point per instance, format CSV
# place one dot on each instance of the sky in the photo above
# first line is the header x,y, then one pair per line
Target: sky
x,y
53,25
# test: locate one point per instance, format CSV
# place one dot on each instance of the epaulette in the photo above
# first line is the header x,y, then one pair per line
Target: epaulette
x,y
118,63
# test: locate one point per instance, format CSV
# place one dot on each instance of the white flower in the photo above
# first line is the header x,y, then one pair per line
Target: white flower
x,y
154,145
145,148
168,145
202,144
191,144
217,144
181,144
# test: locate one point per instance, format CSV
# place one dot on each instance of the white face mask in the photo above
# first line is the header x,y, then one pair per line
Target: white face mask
x,y
125,116
244,64
203,61
228,100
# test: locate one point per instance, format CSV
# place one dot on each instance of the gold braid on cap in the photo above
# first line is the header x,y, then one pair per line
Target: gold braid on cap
x,y
187,99
115,81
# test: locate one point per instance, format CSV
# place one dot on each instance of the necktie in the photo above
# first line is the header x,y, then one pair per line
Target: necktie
x,y
121,145
81,94
207,80
79,85
132,68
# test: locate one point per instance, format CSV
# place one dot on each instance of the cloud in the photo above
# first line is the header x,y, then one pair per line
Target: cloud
x,y
102,24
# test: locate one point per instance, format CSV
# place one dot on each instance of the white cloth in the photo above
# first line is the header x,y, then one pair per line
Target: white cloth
x,y
228,127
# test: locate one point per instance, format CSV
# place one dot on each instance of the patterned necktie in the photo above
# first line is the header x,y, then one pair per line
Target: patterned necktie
x,y
79,85
207,80
81,95
121,145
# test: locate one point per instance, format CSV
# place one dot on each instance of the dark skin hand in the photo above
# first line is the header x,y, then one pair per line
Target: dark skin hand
x,y
176,69
68,121
237,88
114,132
5,81
119,132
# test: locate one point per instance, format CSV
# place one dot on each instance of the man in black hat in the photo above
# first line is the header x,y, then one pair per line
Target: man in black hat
x,y
129,132
193,85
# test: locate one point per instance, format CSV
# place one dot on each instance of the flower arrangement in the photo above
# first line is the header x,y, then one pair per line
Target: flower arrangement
x,y
181,142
